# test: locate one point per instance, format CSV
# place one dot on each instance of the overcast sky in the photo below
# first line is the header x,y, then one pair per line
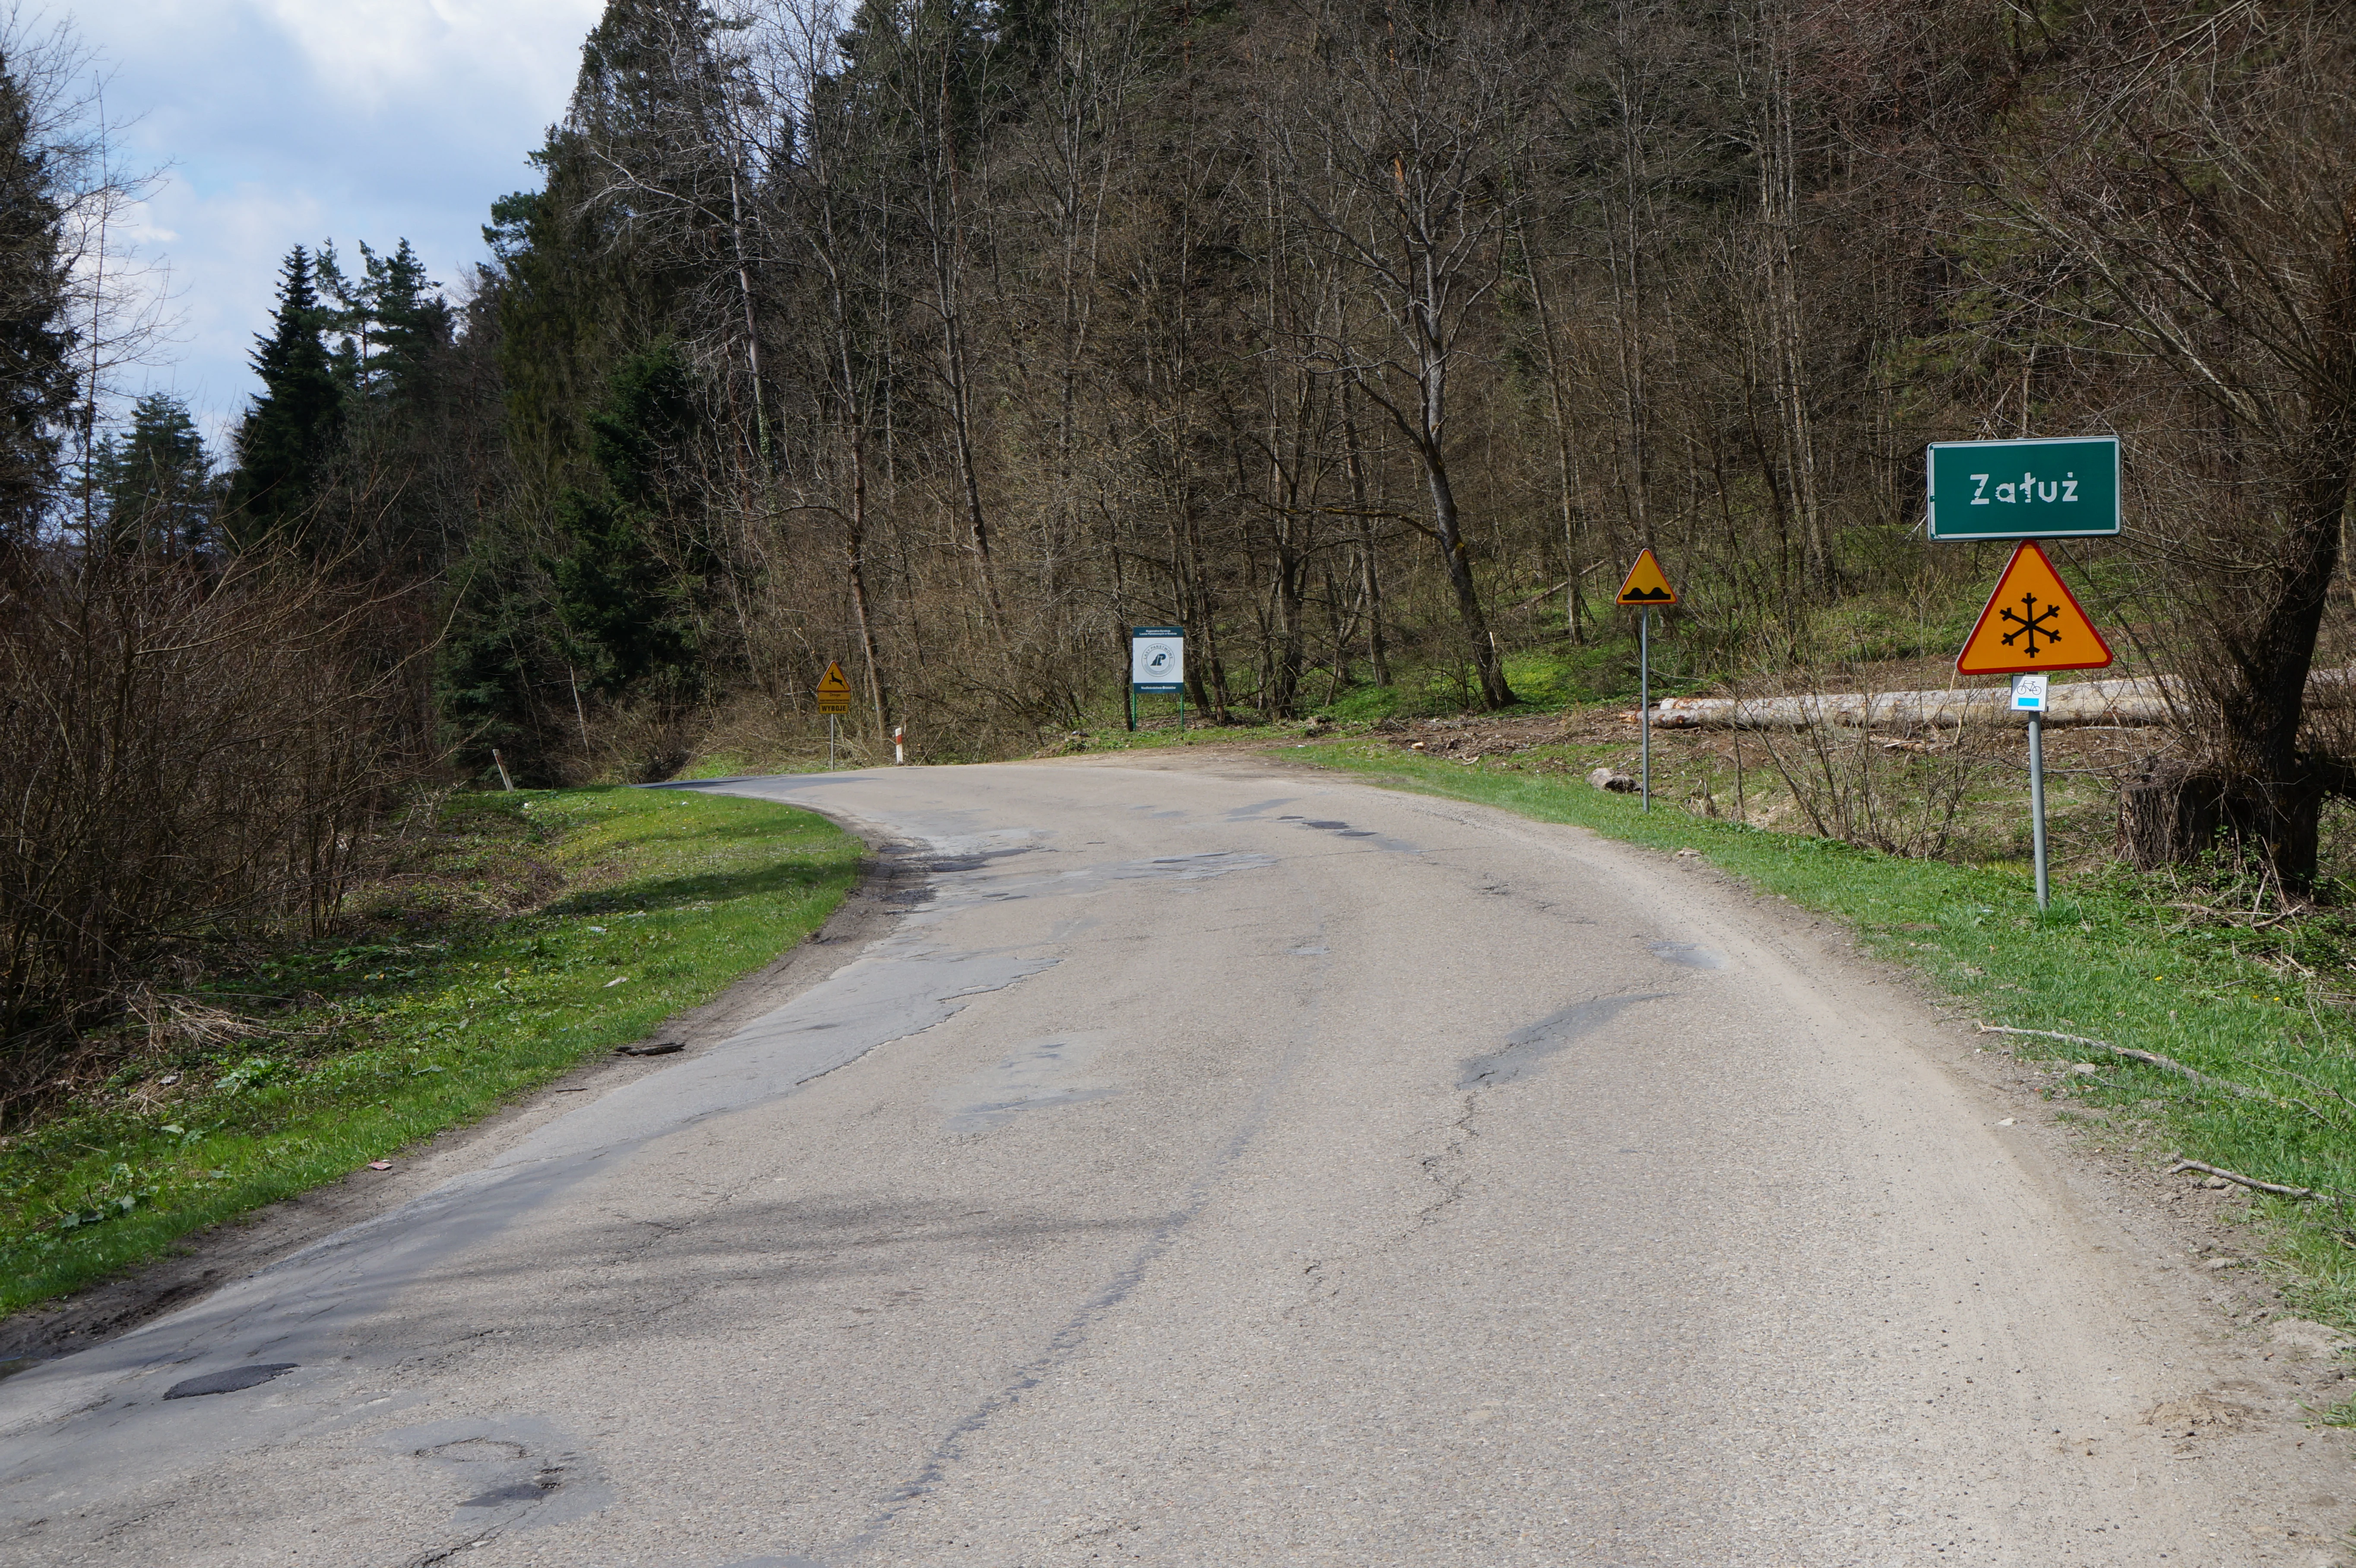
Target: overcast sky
x,y
293,122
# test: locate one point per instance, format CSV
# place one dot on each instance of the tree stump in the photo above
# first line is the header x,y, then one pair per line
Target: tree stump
x,y
2173,815
2169,816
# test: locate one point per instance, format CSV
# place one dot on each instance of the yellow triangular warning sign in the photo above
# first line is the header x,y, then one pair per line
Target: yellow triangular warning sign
x,y
833,692
1647,583
2032,624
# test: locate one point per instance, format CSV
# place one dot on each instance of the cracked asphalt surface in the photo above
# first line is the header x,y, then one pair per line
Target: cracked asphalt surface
x,y
1219,1164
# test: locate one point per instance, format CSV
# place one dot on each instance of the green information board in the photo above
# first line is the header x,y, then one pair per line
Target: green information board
x,y
2037,489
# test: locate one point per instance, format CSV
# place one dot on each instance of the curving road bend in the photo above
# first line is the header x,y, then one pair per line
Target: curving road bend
x,y
1215,1164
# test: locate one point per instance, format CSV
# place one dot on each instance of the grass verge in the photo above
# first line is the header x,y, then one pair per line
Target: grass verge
x,y
308,1064
2121,957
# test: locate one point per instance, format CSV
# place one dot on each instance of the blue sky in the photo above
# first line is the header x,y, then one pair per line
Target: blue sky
x,y
299,121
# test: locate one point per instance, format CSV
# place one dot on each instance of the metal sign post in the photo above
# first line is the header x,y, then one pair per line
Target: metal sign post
x,y
2031,626
2029,696
1645,697
2029,489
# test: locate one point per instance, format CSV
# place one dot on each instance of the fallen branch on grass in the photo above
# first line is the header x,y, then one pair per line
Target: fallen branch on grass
x,y
2168,1063
2250,1182
2171,1064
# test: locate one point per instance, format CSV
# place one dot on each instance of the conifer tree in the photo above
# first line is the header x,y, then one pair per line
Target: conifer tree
x,y
412,323
289,434
37,383
157,481
628,608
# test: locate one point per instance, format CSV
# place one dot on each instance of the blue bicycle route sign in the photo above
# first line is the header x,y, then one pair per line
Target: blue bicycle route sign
x,y
2038,488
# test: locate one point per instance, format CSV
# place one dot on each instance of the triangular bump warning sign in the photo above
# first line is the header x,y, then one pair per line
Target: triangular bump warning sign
x,y
2032,624
1647,583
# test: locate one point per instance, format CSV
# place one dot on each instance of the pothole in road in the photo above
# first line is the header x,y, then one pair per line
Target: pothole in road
x,y
2202,1415
228,1381
1343,830
942,864
1691,955
477,1451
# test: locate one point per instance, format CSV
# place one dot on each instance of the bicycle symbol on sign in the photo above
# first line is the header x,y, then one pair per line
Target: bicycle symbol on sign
x,y
2029,626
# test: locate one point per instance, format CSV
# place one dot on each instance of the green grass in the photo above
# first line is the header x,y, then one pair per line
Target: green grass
x,y
2111,960
673,895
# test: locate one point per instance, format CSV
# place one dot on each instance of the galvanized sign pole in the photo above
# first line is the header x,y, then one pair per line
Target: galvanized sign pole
x,y
2029,696
833,698
1645,697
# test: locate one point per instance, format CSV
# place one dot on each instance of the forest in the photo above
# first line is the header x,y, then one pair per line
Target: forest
x,y
948,339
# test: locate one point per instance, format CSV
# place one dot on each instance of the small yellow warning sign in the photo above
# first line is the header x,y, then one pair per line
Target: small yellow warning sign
x,y
833,691
2032,624
1647,583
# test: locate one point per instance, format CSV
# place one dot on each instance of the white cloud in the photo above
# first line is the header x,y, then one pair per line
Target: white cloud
x,y
383,50
292,121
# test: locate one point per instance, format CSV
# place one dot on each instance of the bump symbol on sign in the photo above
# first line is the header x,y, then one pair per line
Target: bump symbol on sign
x,y
1647,584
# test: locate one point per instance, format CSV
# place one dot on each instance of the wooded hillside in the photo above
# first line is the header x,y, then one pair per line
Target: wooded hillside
x,y
950,340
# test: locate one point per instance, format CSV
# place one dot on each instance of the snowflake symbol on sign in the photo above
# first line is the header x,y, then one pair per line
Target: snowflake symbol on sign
x,y
2028,624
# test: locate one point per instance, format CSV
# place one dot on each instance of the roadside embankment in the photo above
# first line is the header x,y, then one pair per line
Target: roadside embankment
x,y
622,909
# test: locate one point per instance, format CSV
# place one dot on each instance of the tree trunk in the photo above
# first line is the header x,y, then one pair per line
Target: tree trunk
x,y
1494,692
2268,792
1370,581
858,565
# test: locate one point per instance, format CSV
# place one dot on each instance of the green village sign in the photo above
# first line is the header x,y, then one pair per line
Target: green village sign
x,y
2039,489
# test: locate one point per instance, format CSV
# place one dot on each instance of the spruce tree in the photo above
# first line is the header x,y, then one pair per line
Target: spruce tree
x,y
289,434
156,482
627,608
412,325
36,382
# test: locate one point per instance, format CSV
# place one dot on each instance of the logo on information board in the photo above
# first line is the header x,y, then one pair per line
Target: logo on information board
x,y
2032,624
1647,583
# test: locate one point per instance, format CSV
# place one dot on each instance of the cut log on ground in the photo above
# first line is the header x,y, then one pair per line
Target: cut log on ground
x,y
2139,701
2134,701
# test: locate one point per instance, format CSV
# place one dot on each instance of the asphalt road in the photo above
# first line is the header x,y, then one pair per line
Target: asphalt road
x,y
1221,1165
